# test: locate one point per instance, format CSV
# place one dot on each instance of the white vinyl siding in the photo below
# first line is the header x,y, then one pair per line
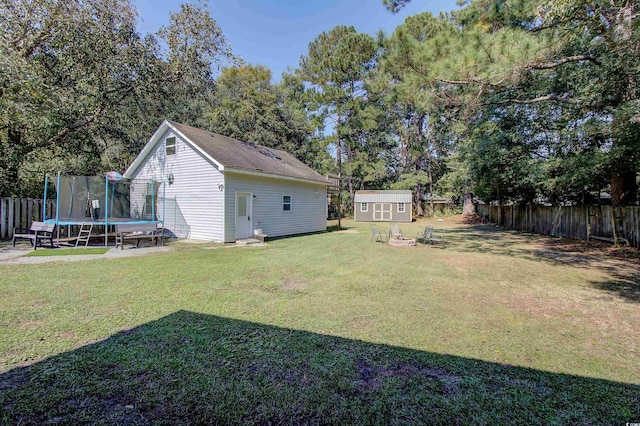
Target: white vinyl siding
x,y
307,215
193,202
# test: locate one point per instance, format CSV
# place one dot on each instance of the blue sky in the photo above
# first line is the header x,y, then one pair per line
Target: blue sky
x,y
275,33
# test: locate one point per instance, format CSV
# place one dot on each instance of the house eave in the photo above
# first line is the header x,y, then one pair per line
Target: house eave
x,y
274,176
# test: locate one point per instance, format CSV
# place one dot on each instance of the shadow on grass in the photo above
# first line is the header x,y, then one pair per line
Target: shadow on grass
x,y
627,288
491,239
193,368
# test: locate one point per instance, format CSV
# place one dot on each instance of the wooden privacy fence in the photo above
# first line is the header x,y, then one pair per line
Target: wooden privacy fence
x,y
20,212
582,222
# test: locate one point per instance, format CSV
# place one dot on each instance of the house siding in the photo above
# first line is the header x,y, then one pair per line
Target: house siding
x,y
193,203
308,205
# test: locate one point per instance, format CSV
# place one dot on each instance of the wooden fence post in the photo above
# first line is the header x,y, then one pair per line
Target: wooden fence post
x,y
588,219
3,218
10,223
30,218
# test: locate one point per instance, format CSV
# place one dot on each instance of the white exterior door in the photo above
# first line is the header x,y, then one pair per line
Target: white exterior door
x,y
243,215
382,211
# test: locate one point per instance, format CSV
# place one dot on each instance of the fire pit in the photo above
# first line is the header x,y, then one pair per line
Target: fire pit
x,y
402,242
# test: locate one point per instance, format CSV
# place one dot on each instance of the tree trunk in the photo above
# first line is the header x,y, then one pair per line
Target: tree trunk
x,y
339,160
468,208
417,200
432,207
352,189
624,188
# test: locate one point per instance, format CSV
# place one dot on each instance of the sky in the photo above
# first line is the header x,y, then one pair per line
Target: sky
x,y
275,33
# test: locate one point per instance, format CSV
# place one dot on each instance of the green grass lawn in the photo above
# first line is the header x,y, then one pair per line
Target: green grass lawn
x,y
496,328
69,252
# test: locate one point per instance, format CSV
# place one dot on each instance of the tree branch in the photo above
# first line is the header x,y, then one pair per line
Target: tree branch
x,y
87,120
560,62
472,81
546,98
75,126
444,80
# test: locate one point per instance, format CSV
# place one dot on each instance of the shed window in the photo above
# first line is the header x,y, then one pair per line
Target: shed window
x,y
400,207
170,144
286,203
364,207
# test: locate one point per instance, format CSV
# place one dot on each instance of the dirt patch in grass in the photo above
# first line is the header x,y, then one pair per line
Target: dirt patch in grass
x,y
347,231
292,284
597,248
67,335
586,307
371,376
28,325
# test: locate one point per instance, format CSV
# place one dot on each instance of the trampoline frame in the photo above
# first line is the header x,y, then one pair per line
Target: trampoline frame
x,y
101,222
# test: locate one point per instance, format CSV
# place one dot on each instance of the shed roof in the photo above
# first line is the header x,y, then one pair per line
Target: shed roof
x,y
235,155
383,196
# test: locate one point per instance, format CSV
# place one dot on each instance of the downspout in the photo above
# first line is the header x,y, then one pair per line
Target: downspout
x,y
224,207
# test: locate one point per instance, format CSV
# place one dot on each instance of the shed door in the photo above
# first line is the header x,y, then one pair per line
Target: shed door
x,y
243,215
382,211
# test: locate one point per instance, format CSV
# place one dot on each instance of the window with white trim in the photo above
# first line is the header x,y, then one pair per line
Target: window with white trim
x,y
364,207
170,145
400,207
286,203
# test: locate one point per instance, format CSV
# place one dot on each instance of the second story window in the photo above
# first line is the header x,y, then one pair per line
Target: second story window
x,y
171,145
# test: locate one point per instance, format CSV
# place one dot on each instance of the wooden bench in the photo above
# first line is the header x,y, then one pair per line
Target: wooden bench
x,y
138,231
39,231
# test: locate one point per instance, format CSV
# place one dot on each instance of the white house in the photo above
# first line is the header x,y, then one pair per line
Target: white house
x,y
222,189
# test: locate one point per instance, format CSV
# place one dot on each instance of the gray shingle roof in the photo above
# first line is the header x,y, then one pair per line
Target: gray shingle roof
x,y
236,154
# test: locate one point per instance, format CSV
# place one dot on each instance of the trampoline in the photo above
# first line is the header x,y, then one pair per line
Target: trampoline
x,y
105,201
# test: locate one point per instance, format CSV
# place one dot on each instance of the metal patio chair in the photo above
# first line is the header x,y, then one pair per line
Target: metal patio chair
x,y
425,235
377,235
437,237
394,231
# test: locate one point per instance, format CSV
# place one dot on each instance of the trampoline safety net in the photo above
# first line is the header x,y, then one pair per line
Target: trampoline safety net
x,y
99,199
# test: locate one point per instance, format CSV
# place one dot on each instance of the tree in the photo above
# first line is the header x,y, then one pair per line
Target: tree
x,y
421,116
539,59
81,90
336,64
248,107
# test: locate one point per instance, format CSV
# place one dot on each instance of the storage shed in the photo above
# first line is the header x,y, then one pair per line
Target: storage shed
x,y
221,189
382,206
